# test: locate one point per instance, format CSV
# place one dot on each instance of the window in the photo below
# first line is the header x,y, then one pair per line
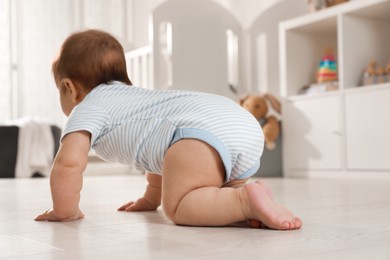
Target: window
x,y
232,60
262,58
165,43
5,61
31,33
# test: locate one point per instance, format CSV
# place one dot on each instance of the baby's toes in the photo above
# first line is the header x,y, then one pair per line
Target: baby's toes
x,y
291,224
297,223
286,225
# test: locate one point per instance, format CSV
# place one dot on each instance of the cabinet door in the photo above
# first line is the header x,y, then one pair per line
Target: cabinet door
x,y
312,135
368,129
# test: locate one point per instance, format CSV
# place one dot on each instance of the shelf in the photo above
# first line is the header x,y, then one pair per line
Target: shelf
x,y
304,49
368,88
357,89
363,40
326,131
357,31
313,96
378,9
327,23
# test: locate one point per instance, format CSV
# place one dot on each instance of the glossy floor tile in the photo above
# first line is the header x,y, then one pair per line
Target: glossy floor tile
x,y
343,219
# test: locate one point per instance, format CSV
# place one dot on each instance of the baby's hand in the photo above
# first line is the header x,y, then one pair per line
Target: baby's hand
x,y
49,215
139,205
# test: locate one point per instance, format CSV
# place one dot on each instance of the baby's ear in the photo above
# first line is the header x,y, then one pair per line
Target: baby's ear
x,y
73,89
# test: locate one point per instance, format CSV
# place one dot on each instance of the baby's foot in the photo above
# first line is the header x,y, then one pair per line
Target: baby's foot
x,y
267,189
260,206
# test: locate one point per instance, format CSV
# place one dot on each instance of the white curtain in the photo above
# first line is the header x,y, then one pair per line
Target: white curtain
x,y
5,61
33,32
42,26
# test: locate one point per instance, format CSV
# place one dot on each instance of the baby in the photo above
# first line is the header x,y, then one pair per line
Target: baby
x,y
198,150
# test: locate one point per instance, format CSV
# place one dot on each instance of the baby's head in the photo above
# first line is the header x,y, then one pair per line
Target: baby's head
x,y
90,58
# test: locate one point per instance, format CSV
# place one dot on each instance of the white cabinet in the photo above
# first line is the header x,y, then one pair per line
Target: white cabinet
x,y
313,133
368,129
344,132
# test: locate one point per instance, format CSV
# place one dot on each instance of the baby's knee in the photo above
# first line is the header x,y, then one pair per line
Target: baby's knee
x,y
170,209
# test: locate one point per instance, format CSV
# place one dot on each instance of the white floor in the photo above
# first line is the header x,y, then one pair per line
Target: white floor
x,y
342,220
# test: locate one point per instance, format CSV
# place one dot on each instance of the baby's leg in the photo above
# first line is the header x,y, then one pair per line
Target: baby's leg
x,y
191,187
192,192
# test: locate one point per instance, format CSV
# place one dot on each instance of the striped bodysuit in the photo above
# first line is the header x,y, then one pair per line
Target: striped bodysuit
x,y
136,126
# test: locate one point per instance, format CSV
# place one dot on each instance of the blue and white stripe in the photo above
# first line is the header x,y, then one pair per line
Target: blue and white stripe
x,y
136,126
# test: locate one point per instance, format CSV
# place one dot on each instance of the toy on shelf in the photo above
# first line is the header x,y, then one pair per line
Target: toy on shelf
x,y
380,75
369,76
326,75
375,74
319,88
327,70
316,5
335,2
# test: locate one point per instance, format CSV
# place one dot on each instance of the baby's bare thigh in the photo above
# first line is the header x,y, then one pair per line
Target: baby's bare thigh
x,y
190,164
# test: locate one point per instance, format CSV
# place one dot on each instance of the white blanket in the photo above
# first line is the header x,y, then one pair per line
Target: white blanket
x,y
35,147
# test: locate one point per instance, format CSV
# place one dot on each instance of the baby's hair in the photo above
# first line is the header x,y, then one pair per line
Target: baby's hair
x,y
91,57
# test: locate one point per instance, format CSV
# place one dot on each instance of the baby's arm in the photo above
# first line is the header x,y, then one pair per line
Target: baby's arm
x,y
151,199
66,178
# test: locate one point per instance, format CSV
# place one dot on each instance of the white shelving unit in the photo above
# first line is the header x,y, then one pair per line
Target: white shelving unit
x,y
343,133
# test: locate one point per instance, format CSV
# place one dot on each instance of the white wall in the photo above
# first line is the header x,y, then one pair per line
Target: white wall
x,y
245,11
199,55
263,34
